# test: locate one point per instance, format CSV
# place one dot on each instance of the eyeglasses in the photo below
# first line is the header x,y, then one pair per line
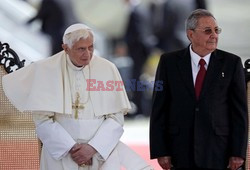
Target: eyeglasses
x,y
209,31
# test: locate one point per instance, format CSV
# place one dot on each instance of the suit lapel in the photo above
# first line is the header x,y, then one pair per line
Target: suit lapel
x,y
185,68
213,70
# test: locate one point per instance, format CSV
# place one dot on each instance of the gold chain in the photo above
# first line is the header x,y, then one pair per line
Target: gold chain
x,y
77,105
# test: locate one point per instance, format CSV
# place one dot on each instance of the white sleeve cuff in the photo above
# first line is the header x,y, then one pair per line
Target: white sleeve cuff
x,y
54,137
107,137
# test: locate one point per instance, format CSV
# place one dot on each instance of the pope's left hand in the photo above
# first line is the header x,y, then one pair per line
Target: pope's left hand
x,y
82,153
235,163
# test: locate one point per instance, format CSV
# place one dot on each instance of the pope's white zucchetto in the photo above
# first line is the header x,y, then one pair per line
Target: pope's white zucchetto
x,y
76,27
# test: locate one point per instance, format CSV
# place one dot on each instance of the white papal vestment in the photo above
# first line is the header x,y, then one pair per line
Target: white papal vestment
x,y
59,131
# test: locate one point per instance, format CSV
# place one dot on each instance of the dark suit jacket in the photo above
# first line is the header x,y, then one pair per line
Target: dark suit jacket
x,y
207,131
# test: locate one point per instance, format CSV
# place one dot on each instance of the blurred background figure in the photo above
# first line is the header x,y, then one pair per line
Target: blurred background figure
x,y
123,62
168,17
138,36
201,4
55,17
148,77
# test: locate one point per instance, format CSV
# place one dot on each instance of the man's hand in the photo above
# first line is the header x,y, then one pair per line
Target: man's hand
x,y
165,162
235,163
82,153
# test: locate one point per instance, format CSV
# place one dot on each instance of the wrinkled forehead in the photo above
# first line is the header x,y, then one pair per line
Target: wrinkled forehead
x,y
206,21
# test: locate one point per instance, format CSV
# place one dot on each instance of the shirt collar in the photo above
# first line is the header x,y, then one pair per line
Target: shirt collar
x,y
196,58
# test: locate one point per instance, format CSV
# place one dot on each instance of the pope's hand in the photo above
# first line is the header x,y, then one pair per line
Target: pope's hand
x,y
165,162
82,153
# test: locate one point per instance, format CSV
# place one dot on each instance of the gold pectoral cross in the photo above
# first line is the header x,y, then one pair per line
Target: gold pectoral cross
x,y
77,105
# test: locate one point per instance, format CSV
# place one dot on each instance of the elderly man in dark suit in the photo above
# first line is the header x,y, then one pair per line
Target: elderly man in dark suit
x,y
199,119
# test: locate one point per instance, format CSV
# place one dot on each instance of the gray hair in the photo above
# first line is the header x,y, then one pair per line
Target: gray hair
x,y
192,20
72,37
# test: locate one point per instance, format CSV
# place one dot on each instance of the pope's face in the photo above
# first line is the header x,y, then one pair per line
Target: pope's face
x,y
204,38
81,52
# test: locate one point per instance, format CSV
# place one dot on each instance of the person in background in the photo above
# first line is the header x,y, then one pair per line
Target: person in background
x,y
55,17
167,18
78,104
139,44
199,119
201,4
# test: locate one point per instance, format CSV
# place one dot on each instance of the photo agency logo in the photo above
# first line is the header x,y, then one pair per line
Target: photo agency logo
x,y
129,85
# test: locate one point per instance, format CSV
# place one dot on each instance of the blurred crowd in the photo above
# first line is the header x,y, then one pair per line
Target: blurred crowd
x,y
152,27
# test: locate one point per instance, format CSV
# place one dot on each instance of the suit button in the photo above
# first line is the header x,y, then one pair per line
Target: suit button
x,y
197,109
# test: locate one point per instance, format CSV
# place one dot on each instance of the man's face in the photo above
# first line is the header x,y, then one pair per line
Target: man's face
x,y
204,37
81,52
